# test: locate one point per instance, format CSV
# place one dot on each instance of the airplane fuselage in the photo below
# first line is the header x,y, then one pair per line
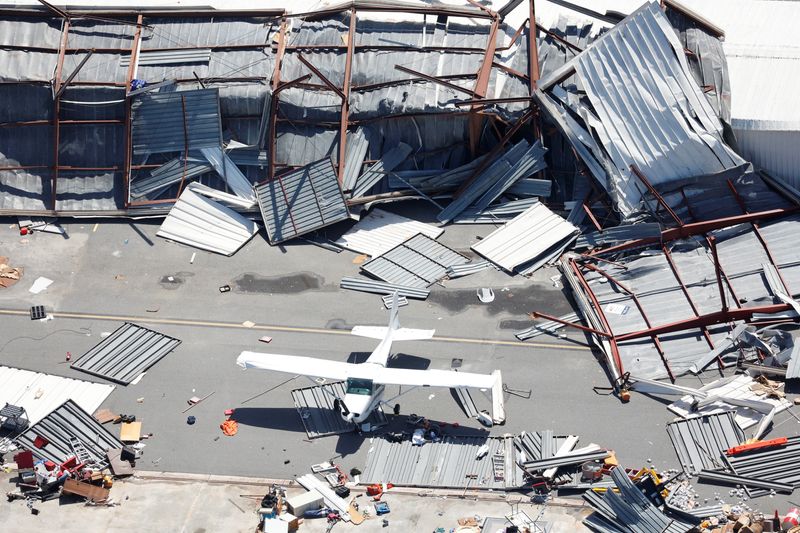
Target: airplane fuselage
x,y
361,398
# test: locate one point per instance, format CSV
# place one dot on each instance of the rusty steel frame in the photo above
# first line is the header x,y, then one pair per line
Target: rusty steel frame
x,y
538,314
482,85
57,108
345,115
126,178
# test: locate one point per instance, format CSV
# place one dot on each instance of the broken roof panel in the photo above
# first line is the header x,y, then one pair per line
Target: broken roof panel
x,y
380,231
176,122
203,223
23,388
169,173
126,353
65,422
380,169
301,201
532,234
638,69
418,262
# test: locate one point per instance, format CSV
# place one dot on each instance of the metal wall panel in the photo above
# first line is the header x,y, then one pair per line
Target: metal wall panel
x,y
126,353
699,442
176,121
301,201
380,231
66,421
19,387
528,236
418,262
203,223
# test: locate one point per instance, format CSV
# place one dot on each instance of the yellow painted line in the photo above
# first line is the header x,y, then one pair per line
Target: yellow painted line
x,y
289,329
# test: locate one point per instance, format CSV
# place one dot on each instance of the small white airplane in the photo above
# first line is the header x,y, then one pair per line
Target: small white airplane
x,y
366,382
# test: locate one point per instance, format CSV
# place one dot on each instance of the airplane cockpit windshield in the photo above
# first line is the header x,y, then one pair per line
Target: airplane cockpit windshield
x,y
359,386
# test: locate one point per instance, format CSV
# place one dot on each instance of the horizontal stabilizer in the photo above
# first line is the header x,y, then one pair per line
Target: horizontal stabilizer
x,y
401,334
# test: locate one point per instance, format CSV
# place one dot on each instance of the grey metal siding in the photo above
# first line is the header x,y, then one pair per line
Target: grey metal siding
x,y
126,353
301,201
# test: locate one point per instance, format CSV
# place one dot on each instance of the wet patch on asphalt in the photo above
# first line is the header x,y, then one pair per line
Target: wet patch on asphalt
x,y
174,281
514,301
250,283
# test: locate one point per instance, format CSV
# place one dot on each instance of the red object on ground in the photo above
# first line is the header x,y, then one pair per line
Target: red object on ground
x,y
69,356
229,427
50,466
40,442
756,446
24,459
374,490
23,231
229,412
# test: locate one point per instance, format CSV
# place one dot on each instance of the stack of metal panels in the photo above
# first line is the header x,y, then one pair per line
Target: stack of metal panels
x,y
701,441
126,353
381,287
301,201
780,464
418,262
628,511
380,231
450,463
65,422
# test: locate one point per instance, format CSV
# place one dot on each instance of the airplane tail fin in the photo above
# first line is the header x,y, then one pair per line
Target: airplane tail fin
x,y
393,332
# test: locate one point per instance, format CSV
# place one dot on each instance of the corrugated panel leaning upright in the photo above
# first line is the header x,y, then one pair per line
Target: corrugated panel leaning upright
x,y
301,201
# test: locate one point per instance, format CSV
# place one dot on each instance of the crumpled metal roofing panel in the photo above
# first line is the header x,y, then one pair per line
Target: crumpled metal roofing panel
x,y
176,121
169,173
527,236
380,231
301,201
126,353
650,111
19,387
356,151
203,223
380,169
69,420
418,262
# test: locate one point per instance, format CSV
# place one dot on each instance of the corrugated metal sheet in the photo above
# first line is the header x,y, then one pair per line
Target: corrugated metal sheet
x,y
356,152
530,235
445,464
203,223
546,326
619,234
629,510
388,162
320,417
381,287
380,231
531,162
495,215
21,387
418,262
126,353
69,420
301,201
176,121
249,157
230,173
167,57
636,69
531,187
458,271
504,166
699,442
169,173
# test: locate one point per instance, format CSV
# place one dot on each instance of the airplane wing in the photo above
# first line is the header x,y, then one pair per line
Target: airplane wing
x,y
433,378
323,368
402,334
293,364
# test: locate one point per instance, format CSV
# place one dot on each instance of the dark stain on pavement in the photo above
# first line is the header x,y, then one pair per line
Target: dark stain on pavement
x,y
291,284
515,301
174,281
